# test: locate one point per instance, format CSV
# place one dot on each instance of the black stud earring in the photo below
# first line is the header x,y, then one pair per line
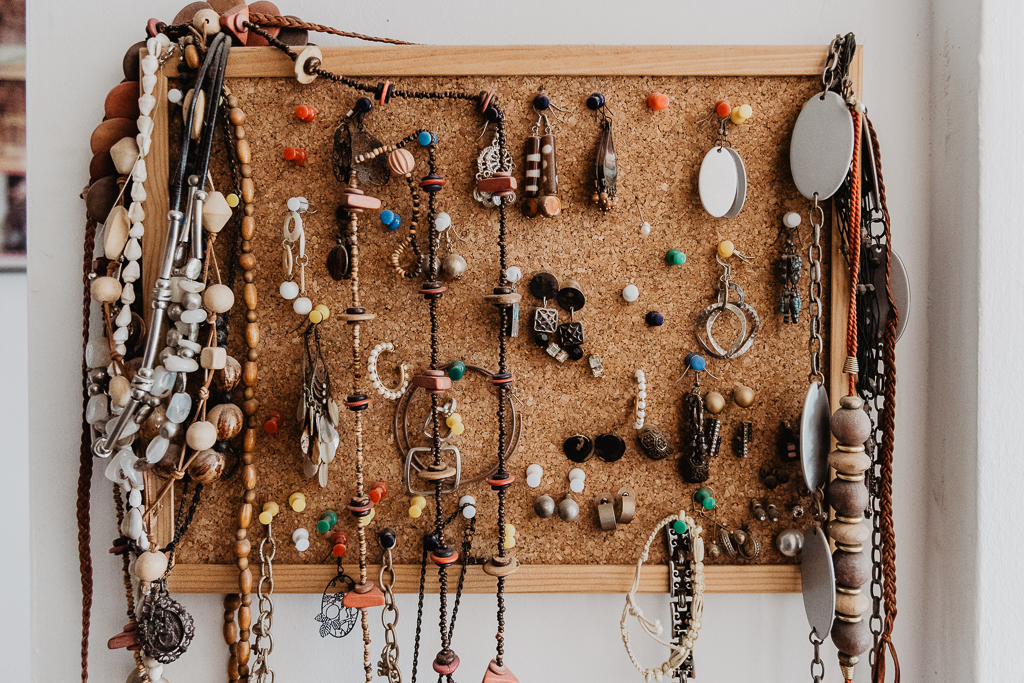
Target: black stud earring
x,y
570,335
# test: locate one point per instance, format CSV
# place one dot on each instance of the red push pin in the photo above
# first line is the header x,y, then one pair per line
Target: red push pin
x,y
379,490
657,101
305,112
273,422
295,154
339,543
723,108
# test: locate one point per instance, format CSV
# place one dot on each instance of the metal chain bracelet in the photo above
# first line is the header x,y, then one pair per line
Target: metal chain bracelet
x,y
819,674
264,645
388,665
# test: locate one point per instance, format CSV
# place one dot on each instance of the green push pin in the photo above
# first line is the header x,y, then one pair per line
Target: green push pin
x,y
679,526
456,369
674,257
327,520
705,499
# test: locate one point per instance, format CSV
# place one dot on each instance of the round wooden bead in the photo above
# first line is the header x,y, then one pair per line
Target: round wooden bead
x,y
186,13
851,639
227,377
101,197
852,605
207,22
110,132
848,498
105,289
714,402
201,435
743,395
207,466
218,298
122,101
849,463
150,566
848,534
850,424
401,161
228,419
852,569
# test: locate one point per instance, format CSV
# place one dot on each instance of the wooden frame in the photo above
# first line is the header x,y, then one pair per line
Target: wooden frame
x,y
715,61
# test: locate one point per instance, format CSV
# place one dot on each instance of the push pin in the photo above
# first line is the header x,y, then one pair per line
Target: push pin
x,y
723,108
741,113
319,314
468,506
533,475
705,498
630,293
387,538
366,519
270,510
454,422
577,480
339,543
379,490
390,219
232,199
416,506
328,519
297,501
695,362
456,369
657,101
654,319
726,249
674,257
300,537
295,154
791,219
510,537
273,422
298,204
305,112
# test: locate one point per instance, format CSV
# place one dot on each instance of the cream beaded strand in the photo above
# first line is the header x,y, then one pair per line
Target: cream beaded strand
x,y
680,651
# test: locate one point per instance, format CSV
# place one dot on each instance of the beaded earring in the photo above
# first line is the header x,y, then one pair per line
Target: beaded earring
x,y
653,443
371,371
790,266
540,189
606,170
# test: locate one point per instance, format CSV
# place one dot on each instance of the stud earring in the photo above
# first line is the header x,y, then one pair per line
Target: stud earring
x,y
544,506
744,439
568,509
570,335
578,448
541,186
606,170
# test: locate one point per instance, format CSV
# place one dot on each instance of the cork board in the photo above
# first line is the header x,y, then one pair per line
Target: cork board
x,y
659,155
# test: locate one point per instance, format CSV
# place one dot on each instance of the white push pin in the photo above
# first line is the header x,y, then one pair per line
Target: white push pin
x,y
533,474
174,96
300,537
513,274
577,480
791,219
442,222
645,229
469,511
298,204
631,293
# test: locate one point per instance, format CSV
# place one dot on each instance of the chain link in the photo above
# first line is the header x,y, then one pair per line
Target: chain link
x,y
815,344
388,665
264,645
819,674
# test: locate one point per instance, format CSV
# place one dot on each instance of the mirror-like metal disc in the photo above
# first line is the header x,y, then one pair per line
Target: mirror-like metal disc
x,y
741,184
818,581
900,283
822,146
718,181
815,436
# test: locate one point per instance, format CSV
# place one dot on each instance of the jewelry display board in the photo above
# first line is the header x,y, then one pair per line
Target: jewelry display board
x,y
659,156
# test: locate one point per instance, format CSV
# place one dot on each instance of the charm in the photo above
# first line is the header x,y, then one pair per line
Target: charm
x,y
654,443
606,170
359,152
165,628
493,160
544,286
335,619
722,182
571,335
790,266
694,463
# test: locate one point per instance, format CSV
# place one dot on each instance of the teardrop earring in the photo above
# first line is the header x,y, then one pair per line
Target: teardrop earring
x,y
606,170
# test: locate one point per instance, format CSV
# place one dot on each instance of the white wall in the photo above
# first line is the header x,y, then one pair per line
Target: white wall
x,y
74,58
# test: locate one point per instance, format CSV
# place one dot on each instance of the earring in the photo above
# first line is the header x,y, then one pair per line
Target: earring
x,y
568,509
612,511
722,182
544,286
790,265
609,447
744,439
605,167
541,185
544,506
744,313
319,440
494,184
653,443
694,464
578,449
570,334
371,371
295,235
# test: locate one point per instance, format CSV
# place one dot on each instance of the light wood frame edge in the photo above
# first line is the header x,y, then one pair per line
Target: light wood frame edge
x,y
582,60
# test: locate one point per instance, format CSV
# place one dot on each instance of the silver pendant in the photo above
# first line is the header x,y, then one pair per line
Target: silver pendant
x,y
815,437
821,149
165,628
818,581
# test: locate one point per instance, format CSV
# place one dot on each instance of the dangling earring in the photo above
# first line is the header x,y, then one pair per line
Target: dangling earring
x,y
694,464
544,286
605,168
570,334
294,234
790,265
722,182
490,163
319,440
747,317
541,185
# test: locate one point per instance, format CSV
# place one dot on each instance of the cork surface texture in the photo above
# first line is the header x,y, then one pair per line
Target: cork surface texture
x,y
659,155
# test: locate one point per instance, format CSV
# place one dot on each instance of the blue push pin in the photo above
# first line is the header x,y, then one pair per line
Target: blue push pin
x,y
425,137
390,219
695,361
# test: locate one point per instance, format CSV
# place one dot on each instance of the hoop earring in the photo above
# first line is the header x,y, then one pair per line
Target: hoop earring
x,y
371,370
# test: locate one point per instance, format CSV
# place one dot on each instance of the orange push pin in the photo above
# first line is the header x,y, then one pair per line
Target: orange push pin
x,y
295,154
305,112
657,101
723,108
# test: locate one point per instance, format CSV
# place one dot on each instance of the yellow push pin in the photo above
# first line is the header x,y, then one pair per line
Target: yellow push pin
x,y
365,521
510,536
232,200
297,501
270,510
325,312
416,506
741,113
316,316
457,428
726,249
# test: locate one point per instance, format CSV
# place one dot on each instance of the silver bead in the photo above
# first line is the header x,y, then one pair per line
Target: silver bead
x,y
94,389
173,337
174,312
166,353
453,266
544,506
568,510
97,375
790,542
169,430
186,353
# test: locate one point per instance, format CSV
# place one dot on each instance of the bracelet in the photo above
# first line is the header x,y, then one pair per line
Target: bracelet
x,y
682,524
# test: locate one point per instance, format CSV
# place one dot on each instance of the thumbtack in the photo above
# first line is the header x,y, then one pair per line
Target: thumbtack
x,y
295,154
657,101
305,112
339,543
328,519
270,510
416,506
297,501
300,537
